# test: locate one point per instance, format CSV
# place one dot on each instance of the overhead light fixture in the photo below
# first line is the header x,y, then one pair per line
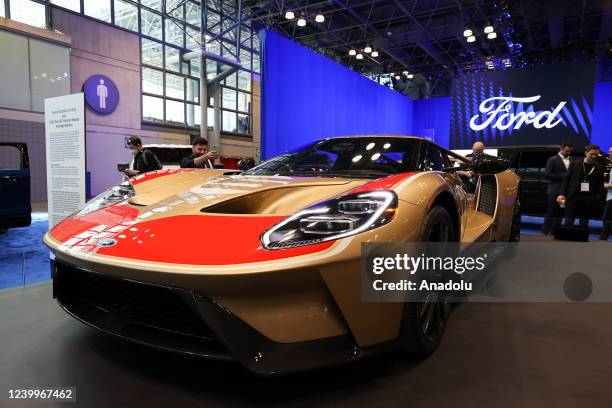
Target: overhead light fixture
x,y
374,54
397,77
410,76
492,36
301,22
320,18
489,29
290,15
352,52
468,33
367,49
359,56
405,73
471,39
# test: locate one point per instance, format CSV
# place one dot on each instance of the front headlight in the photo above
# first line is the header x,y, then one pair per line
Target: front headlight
x,y
333,219
111,196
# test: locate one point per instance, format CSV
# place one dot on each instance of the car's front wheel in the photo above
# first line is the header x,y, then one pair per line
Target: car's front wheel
x,y
425,318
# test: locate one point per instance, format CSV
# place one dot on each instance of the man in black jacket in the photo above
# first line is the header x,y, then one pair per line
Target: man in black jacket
x,y
201,158
556,167
607,215
144,160
582,186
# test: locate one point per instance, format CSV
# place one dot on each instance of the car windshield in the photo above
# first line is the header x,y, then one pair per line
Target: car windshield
x,y
368,157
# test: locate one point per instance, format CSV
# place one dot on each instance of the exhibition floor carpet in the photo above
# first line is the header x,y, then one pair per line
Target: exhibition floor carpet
x,y
492,355
23,257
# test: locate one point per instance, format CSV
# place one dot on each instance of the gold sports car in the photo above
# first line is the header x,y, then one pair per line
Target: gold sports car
x,y
263,267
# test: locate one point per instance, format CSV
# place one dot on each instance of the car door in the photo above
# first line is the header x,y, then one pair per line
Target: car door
x,y
532,165
15,208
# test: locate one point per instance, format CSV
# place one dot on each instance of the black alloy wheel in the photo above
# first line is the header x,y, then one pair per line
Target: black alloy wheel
x,y
425,317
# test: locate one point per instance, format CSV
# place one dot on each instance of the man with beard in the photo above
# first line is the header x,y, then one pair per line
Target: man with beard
x,y
201,158
582,187
556,167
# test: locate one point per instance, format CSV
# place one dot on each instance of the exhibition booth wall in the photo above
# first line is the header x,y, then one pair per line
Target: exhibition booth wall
x,y
431,117
306,96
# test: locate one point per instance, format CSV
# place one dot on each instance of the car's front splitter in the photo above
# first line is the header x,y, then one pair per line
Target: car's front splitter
x,y
182,321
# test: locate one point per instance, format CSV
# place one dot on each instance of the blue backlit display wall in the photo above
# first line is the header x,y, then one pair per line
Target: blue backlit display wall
x,y
306,96
543,104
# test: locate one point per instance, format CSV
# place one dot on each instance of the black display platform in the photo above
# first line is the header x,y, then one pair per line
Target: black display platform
x,y
492,355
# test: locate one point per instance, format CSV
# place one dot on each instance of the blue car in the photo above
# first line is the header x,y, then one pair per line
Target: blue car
x,y
15,207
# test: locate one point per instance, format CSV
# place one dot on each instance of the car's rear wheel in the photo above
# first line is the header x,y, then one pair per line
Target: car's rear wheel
x,y
425,318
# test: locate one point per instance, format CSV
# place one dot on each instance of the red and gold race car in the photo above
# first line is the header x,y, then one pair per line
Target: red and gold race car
x,y
263,267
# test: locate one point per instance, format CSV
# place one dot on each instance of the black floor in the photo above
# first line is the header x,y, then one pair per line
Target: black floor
x,y
493,355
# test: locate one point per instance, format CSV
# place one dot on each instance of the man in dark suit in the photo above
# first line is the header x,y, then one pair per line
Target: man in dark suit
x,y
556,167
582,187
607,215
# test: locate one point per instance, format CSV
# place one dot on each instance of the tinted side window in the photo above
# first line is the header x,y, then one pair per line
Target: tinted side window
x,y
435,160
10,158
511,155
533,161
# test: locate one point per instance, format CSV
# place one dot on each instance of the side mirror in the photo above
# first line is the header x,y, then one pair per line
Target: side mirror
x,y
489,165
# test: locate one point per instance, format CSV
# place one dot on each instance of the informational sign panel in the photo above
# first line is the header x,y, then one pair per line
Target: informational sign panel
x,y
65,142
543,104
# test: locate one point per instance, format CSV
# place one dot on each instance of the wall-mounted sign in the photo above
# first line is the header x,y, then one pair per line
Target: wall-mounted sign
x,y
65,141
506,115
101,94
542,104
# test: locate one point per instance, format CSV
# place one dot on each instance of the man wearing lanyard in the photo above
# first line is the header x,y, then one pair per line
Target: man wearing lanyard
x,y
607,216
582,187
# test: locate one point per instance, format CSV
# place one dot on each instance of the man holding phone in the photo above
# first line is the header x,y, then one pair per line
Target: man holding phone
x,y
201,158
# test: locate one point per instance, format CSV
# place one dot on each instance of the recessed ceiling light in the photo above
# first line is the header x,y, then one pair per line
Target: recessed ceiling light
x,y
359,56
367,49
290,15
405,72
374,54
468,33
352,52
410,76
489,29
301,22
397,77
471,39
492,36
320,18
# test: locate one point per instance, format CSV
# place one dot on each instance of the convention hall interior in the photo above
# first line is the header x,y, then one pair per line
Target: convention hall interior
x,y
234,203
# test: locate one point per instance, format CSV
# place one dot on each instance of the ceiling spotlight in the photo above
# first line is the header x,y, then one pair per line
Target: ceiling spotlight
x,y
374,54
468,33
290,15
410,76
320,18
359,56
367,49
489,29
405,73
492,36
397,77
352,52
471,39
301,22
